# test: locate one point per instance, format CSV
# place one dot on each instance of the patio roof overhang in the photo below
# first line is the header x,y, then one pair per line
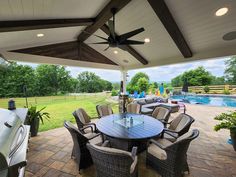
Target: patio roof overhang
x,y
179,31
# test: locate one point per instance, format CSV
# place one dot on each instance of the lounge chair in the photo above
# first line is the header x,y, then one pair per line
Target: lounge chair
x,y
133,108
111,162
80,151
83,121
161,113
178,126
170,159
104,110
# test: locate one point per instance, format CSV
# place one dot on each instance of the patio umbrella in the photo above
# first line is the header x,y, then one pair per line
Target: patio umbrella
x,y
185,86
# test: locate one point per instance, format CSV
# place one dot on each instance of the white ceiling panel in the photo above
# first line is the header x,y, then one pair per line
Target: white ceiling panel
x,y
49,9
23,39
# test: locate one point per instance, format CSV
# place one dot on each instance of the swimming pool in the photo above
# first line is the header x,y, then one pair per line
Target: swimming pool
x,y
208,100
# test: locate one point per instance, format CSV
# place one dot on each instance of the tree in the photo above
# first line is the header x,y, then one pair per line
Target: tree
x,y
195,77
177,81
116,86
230,71
134,80
14,77
133,84
52,79
143,84
218,80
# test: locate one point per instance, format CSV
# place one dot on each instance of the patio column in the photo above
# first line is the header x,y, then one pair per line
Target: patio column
x,y
124,80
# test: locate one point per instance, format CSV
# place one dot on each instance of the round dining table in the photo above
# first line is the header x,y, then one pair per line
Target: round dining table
x,y
127,130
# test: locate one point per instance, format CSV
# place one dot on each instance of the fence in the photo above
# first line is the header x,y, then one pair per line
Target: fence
x,y
44,100
214,89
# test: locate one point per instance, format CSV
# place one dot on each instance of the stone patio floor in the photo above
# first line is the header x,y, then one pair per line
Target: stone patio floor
x,y
208,156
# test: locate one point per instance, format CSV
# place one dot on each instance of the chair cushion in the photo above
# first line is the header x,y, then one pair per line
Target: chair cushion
x,y
185,136
141,102
157,152
150,100
96,140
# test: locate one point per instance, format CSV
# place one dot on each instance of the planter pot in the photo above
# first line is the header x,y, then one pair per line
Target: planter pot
x,y
233,136
34,127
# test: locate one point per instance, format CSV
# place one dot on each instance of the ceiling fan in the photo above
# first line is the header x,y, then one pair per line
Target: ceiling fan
x,y
119,41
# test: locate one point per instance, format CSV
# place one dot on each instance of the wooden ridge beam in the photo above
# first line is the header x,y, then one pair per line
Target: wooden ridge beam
x,y
128,48
68,50
23,25
163,12
102,18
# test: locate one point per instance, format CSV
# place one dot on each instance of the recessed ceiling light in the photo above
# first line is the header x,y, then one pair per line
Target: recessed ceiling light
x,y
125,61
146,40
115,52
40,35
230,36
221,11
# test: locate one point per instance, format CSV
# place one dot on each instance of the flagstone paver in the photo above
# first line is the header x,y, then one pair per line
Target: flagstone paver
x,y
208,156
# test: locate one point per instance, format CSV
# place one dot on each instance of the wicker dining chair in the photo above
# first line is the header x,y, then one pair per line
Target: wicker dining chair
x,y
83,120
161,113
178,126
170,159
104,110
111,162
80,151
133,108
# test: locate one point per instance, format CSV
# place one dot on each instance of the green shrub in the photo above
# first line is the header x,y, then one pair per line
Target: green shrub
x,y
114,92
206,89
226,92
227,121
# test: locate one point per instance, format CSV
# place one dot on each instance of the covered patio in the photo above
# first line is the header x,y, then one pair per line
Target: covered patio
x,y
208,156
175,32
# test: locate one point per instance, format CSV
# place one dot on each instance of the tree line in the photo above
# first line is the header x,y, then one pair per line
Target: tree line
x,y
201,77
46,80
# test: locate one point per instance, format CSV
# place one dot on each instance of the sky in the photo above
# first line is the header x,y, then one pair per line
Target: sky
x,y
157,74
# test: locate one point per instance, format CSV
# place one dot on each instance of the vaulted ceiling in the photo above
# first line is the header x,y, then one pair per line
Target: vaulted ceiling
x,y
179,31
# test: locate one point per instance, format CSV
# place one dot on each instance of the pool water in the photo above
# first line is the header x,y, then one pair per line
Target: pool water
x,y
208,100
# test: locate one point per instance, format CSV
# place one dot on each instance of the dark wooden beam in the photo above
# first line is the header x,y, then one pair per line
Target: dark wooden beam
x,y
162,11
22,25
68,50
102,18
128,48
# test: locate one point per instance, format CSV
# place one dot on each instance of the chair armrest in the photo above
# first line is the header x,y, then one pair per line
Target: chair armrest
x,y
98,134
133,166
93,124
171,133
105,144
134,151
85,127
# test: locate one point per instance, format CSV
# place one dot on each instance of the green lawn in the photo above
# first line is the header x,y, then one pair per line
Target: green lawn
x,y
61,107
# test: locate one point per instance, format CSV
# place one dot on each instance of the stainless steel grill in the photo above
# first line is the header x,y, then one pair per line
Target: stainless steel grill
x,y
14,137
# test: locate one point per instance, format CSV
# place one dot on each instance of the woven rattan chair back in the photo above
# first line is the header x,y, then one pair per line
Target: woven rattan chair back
x,y
104,110
133,108
181,123
80,151
176,163
109,163
81,117
161,113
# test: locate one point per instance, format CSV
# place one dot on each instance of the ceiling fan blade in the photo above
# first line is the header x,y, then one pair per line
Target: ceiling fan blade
x,y
99,43
130,34
111,28
131,42
95,35
106,48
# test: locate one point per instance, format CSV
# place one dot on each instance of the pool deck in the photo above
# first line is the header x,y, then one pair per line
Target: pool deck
x,y
208,156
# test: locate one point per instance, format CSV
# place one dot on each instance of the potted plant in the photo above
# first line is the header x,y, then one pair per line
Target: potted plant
x,y
227,121
34,116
